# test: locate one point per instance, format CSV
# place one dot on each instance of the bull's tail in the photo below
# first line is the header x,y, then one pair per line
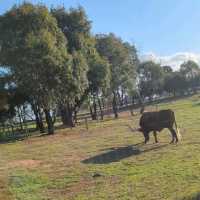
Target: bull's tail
x,y
177,130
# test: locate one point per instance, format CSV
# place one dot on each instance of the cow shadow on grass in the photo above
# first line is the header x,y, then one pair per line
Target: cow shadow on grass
x,y
117,154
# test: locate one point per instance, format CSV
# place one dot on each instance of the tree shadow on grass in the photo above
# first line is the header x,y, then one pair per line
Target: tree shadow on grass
x,y
117,154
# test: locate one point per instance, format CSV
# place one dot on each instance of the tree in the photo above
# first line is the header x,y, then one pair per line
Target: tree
x,y
122,58
72,87
167,69
76,28
75,25
150,79
34,49
99,81
191,71
175,83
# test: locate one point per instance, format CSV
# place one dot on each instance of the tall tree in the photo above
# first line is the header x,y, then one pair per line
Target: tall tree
x,y
150,79
81,45
191,71
167,69
34,50
76,27
99,81
122,58
175,83
72,87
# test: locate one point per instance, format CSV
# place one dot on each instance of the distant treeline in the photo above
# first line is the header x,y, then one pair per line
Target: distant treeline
x,y
55,67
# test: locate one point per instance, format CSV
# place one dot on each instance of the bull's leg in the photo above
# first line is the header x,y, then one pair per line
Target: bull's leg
x,y
174,136
155,137
146,136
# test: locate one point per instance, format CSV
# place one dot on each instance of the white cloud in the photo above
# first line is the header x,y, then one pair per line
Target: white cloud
x,y
174,60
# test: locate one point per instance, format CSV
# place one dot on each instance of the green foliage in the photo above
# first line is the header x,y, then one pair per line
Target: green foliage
x,y
89,72
191,71
151,78
72,85
167,69
76,28
34,49
75,25
122,58
123,61
98,75
175,82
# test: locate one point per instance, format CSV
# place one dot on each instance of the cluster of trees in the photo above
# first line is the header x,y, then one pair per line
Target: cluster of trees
x,y
53,65
155,79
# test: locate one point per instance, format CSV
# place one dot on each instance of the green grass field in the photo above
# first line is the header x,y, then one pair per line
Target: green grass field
x,y
105,163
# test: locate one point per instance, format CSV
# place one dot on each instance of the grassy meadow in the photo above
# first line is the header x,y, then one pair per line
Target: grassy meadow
x,y
107,162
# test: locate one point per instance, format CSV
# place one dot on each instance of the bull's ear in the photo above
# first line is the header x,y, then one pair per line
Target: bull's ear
x,y
139,129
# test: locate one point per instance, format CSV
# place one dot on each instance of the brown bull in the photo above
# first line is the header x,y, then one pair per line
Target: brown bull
x,y
157,121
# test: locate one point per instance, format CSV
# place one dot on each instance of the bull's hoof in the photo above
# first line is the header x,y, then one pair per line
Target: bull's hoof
x,y
172,142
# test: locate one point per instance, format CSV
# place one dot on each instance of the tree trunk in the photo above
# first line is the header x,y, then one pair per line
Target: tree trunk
x,y
141,102
20,118
24,118
49,121
63,114
70,116
3,128
103,103
91,112
41,124
75,117
38,118
142,109
12,128
67,116
100,107
120,99
114,104
132,106
95,108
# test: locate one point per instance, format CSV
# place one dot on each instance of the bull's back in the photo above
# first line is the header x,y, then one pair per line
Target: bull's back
x,y
157,120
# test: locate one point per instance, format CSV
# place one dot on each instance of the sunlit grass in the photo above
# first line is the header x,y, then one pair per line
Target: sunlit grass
x,y
63,166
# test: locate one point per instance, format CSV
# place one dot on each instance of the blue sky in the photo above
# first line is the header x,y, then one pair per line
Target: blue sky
x,y
157,27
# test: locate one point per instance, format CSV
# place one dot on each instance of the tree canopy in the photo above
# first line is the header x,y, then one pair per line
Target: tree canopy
x,y
34,50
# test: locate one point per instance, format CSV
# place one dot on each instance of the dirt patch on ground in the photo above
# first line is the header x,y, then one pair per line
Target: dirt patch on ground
x,y
25,163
